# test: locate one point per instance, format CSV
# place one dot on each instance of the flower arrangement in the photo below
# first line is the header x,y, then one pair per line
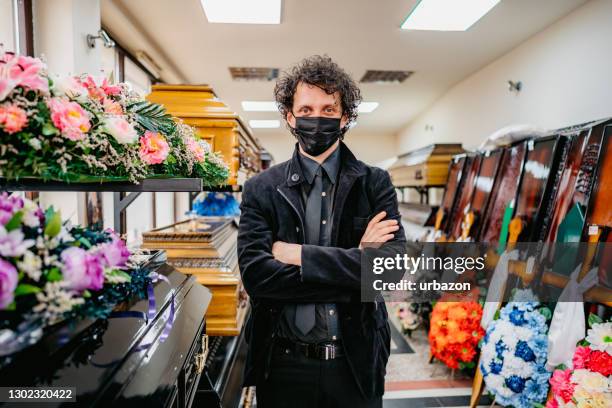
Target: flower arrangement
x,y
83,128
50,271
455,332
589,382
513,355
215,204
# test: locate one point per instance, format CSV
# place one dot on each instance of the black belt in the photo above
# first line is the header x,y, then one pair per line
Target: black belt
x,y
319,351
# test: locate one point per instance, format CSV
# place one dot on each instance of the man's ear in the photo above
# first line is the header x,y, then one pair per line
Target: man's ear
x,y
343,121
290,119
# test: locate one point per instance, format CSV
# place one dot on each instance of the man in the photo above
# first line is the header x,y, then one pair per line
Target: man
x,y
312,342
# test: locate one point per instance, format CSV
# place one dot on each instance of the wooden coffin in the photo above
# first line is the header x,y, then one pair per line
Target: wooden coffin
x,y
456,178
425,167
215,122
464,196
483,186
206,248
504,192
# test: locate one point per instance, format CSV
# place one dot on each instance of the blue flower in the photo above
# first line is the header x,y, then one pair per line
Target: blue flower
x,y
517,317
496,366
515,383
500,347
524,351
531,352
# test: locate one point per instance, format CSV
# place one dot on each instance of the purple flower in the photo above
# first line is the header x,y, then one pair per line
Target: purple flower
x,y
12,243
8,283
114,253
82,270
9,205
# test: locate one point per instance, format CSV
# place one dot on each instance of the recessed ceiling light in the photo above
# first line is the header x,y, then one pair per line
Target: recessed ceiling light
x,y
242,11
259,106
264,124
447,15
367,107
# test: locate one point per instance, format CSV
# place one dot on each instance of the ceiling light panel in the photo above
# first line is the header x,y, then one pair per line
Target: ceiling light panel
x,y
447,15
264,124
367,107
242,11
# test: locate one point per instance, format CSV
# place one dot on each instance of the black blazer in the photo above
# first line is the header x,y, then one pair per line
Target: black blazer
x,y
272,211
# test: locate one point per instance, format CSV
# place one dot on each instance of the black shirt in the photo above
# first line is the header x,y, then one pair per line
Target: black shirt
x,y
326,319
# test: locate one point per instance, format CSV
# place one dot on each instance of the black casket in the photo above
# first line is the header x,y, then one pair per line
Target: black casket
x,y
123,361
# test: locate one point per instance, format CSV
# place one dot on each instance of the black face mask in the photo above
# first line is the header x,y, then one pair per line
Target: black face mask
x,y
316,134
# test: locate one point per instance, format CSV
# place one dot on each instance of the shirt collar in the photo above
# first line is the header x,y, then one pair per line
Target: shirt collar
x,y
331,166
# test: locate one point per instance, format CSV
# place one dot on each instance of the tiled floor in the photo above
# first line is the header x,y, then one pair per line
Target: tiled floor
x,y
412,381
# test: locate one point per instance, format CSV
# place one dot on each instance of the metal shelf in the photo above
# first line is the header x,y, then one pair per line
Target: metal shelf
x,y
124,192
147,185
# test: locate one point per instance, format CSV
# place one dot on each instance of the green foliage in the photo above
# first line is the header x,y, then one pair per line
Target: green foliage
x,y
152,117
26,289
594,319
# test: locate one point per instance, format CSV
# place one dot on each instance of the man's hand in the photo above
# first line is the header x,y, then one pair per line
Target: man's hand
x,y
378,231
287,253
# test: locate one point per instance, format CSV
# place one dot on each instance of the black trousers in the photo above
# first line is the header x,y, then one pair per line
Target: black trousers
x,y
296,381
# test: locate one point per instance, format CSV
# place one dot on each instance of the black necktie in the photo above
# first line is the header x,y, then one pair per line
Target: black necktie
x,y
305,314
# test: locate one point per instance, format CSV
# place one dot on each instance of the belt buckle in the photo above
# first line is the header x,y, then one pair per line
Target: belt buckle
x,y
329,352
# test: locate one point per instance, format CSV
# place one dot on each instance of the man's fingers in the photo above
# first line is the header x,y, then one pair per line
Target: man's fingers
x,y
377,218
383,224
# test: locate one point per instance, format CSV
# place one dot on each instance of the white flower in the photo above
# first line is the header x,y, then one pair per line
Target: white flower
x,y
600,337
120,129
70,87
13,244
31,265
34,143
591,381
30,217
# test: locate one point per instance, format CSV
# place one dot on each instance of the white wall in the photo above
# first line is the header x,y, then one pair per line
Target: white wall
x,y
566,71
369,148
60,30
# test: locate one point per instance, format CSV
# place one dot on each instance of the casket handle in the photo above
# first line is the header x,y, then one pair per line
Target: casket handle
x,y
202,355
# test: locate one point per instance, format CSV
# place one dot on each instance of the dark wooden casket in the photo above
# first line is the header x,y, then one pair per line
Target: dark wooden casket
x,y
123,361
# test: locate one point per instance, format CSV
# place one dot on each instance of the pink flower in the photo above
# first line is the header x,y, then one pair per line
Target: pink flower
x,y
9,205
23,71
70,118
13,118
120,129
581,357
561,384
199,148
109,89
114,253
111,107
153,148
82,270
8,283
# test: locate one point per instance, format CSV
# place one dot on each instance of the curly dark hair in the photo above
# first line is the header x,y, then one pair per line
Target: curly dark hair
x,y
323,72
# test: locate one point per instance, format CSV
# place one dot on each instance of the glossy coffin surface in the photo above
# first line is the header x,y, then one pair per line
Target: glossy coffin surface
x,y
123,361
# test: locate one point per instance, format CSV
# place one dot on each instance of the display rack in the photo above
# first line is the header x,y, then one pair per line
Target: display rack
x,y
125,192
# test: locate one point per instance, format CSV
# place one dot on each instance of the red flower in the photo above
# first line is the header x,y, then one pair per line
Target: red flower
x,y
600,362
